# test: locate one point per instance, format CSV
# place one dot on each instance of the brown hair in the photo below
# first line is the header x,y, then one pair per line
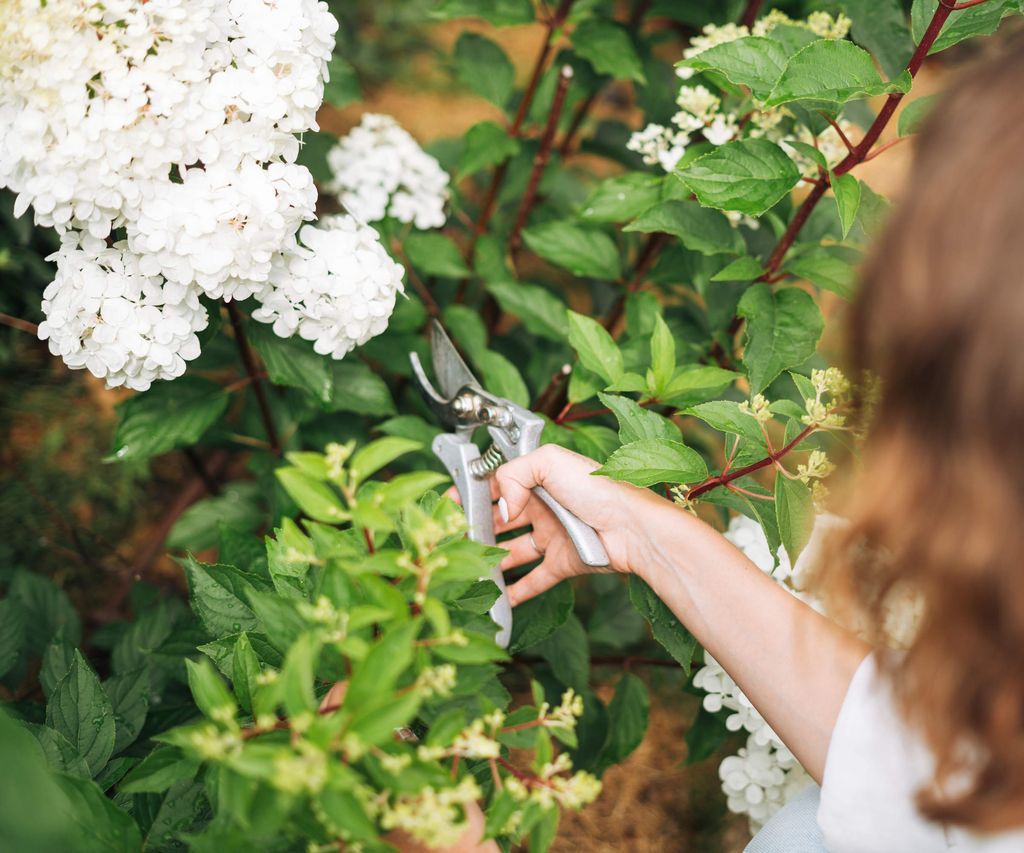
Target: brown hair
x,y
939,513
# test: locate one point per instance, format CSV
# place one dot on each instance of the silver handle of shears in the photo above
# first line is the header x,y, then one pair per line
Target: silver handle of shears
x,y
583,536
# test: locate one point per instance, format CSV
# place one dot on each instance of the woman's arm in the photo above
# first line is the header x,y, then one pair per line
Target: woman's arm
x,y
791,662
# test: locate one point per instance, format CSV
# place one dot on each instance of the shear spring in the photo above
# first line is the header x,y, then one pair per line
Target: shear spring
x,y
489,462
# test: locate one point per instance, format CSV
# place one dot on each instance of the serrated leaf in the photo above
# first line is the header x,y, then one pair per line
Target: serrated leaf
x,y
795,511
102,826
826,271
240,504
219,595
486,144
158,771
356,388
725,416
622,197
648,461
608,47
314,497
913,114
747,175
432,253
59,658
695,383
595,347
846,189
168,415
45,610
667,629
245,668
628,717
292,362
663,355
880,26
501,13
568,653
980,20
380,670
755,62
582,251
783,328
129,697
744,268
502,378
79,710
698,228
208,689
537,619
636,422
541,311
832,70
482,65
371,457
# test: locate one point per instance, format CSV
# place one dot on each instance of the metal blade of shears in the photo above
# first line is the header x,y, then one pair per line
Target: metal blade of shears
x,y
451,371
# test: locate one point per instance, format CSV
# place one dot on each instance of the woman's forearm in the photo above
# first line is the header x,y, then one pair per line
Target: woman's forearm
x,y
792,663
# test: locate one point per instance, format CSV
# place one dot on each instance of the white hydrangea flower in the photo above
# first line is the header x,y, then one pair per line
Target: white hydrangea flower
x,y
335,286
105,314
221,227
379,170
759,780
659,145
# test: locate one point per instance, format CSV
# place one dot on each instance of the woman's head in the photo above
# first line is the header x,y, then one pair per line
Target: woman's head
x,y
939,515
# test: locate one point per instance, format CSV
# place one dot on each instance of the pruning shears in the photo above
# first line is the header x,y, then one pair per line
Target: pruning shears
x,y
463,405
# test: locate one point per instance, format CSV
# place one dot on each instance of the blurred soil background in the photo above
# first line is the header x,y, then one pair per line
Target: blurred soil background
x,y
96,526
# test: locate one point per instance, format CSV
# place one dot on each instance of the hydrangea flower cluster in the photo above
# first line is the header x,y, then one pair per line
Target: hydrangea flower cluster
x,y
379,170
334,285
701,114
159,139
764,775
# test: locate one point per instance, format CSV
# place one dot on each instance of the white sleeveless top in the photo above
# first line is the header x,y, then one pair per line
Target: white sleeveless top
x,y
874,768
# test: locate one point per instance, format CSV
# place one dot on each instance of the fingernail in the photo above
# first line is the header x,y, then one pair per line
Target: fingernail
x,y
503,509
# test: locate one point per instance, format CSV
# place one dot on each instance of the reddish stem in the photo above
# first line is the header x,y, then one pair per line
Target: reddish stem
x,y
751,12
540,161
18,323
723,478
249,361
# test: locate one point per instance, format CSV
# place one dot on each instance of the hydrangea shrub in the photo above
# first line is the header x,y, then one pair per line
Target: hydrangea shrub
x,y
337,681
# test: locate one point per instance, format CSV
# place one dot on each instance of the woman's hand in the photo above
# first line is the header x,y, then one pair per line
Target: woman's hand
x,y
618,512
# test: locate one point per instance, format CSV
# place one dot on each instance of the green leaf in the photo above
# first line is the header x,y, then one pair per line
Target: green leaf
x,y
208,689
880,26
45,609
79,709
168,415
159,771
699,229
568,652
622,197
663,355
538,618
485,144
103,827
297,675
245,668
379,671
501,377
501,13
356,388
725,416
218,595
582,251
667,629
744,268
292,362
754,62
483,66
783,328
795,511
595,347
376,723
541,311
914,113
636,422
129,697
826,271
695,383
371,457
748,175
846,189
59,752
628,717
314,497
981,20
654,460
609,48
704,736
833,70
240,504
434,254
59,658
543,832
596,441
